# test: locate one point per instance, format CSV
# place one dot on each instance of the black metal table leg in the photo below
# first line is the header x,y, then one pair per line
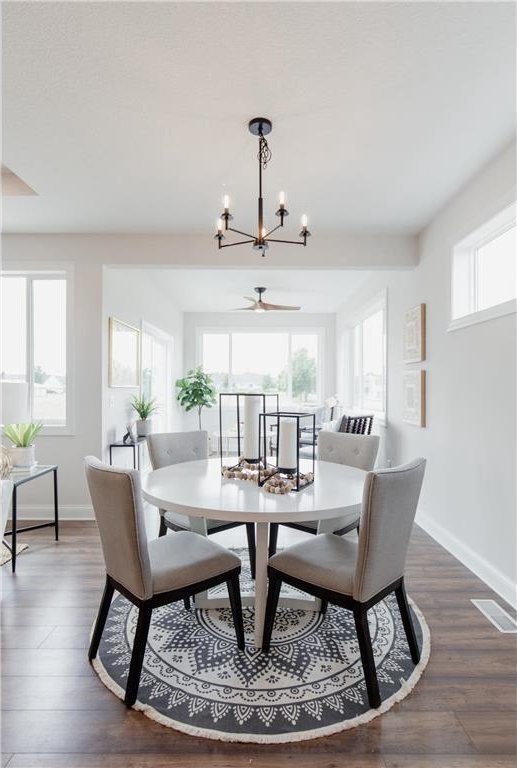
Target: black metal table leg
x,y
111,456
56,507
14,524
134,456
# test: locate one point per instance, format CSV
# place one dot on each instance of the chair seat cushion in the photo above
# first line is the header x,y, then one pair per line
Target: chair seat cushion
x,y
181,559
176,521
326,561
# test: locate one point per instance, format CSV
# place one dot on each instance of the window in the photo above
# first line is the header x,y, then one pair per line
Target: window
x,y
34,343
287,362
368,360
484,272
156,348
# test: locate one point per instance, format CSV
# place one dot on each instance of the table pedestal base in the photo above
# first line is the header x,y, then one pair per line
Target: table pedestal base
x,y
258,600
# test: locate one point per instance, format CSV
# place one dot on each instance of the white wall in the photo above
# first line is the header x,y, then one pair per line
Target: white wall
x,y
468,501
193,321
134,296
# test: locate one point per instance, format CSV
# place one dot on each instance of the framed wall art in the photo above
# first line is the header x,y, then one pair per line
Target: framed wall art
x,y
413,402
124,354
414,334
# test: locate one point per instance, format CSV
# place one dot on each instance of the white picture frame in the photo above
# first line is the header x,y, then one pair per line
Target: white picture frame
x,y
124,355
414,335
414,398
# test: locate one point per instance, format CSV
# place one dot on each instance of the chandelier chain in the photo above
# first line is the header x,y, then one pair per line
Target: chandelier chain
x,y
264,153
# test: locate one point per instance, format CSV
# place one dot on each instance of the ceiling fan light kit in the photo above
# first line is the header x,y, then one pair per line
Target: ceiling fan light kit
x,y
261,127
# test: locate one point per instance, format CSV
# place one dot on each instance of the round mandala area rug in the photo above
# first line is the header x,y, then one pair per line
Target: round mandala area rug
x,y
311,684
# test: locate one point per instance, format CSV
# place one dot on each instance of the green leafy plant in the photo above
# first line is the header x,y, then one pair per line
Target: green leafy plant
x,y
144,406
196,390
22,435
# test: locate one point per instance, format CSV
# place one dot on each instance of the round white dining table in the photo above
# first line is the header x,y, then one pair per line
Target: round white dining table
x,y
197,489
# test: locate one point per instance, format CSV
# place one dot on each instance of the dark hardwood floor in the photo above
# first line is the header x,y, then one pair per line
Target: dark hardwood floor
x,y
57,714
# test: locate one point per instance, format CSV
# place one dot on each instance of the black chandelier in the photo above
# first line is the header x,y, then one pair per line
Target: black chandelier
x,y
259,126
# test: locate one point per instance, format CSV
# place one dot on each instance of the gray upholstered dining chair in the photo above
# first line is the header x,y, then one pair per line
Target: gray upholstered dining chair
x,y
154,573
357,574
166,448
358,451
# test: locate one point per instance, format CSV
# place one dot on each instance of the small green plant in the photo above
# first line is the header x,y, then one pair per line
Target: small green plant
x,y
145,407
22,435
196,390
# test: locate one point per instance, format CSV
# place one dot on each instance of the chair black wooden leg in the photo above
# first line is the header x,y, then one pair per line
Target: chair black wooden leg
x,y
365,646
409,629
137,657
101,619
273,594
163,527
273,539
234,592
324,605
250,533
186,603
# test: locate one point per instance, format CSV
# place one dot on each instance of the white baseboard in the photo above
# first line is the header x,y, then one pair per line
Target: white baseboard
x,y
487,572
46,512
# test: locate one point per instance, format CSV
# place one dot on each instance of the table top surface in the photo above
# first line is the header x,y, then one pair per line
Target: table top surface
x,y
19,476
196,488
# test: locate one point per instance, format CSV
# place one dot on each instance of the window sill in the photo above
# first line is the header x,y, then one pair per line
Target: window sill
x,y
57,432
500,310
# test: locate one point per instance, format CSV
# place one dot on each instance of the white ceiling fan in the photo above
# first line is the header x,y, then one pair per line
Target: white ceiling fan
x,y
257,305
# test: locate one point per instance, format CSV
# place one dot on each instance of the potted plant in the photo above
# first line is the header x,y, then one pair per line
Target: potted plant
x,y
144,407
196,390
22,452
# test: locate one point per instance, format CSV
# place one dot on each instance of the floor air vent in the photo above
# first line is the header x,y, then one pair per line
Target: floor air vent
x,y
496,615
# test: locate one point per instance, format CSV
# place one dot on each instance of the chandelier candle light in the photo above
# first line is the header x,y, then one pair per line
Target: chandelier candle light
x,y
261,127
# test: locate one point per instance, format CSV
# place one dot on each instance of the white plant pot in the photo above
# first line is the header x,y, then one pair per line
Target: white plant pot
x,y
143,427
23,457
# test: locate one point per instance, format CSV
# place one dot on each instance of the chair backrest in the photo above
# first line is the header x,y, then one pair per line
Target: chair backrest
x,y
117,502
355,450
390,499
357,425
166,448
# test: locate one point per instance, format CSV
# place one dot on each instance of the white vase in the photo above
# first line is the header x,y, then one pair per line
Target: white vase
x,y
143,427
23,457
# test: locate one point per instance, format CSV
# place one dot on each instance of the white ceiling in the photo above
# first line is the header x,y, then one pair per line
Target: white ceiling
x,y
131,117
222,290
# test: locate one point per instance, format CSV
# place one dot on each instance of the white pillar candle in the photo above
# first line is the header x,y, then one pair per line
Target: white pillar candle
x,y
252,405
287,443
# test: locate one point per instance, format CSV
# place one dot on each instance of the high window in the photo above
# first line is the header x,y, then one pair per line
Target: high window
x,y
286,362
34,344
368,360
484,272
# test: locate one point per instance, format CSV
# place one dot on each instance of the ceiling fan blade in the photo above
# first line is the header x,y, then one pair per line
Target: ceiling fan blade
x,y
248,298
273,307
241,309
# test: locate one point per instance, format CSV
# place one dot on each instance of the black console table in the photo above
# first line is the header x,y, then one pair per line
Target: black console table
x,y
20,478
134,446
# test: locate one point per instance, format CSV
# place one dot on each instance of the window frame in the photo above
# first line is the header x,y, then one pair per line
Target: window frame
x,y
319,332
63,271
378,303
469,248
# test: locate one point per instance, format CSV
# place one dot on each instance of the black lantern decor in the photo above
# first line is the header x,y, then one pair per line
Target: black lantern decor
x,y
250,406
286,475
